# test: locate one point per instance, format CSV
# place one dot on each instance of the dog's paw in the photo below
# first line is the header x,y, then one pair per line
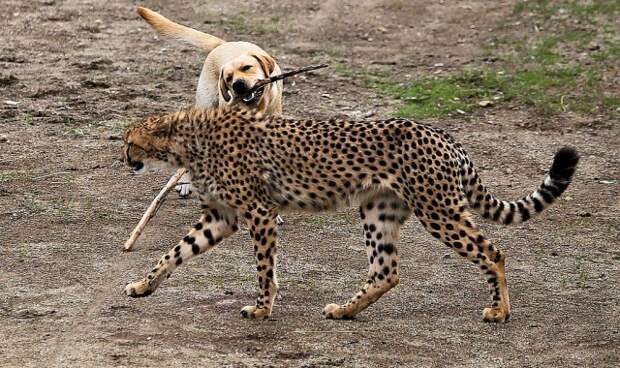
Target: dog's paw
x,y
279,220
184,189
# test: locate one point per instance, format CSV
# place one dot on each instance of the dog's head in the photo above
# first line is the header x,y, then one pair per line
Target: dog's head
x,y
242,73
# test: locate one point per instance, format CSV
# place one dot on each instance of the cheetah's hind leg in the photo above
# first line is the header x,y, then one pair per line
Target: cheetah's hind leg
x,y
261,223
382,214
463,236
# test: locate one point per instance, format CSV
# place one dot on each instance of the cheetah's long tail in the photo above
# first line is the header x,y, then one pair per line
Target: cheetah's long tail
x,y
514,212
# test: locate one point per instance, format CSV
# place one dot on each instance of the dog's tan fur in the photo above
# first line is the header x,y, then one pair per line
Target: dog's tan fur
x,y
226,63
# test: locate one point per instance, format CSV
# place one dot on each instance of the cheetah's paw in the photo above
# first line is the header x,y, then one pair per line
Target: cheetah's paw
x,y
252,311
496,314
335,311
138,289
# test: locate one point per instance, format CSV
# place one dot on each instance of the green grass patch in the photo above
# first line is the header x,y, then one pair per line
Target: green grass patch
x,y
562,67
589,9
61,210
34,206
113,126
612,103
580,25
544,53
465,91
610,50
237,23
245,23
6,176
270,25
543,8
584,10
548,90
579,37
26,118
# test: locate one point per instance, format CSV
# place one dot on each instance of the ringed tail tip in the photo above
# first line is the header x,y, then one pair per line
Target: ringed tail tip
x,y
564,164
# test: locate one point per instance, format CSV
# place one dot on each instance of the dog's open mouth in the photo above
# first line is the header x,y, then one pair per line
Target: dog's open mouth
x,y
253,97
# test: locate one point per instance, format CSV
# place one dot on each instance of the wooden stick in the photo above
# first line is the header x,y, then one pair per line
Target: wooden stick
x,y
152,210
276,78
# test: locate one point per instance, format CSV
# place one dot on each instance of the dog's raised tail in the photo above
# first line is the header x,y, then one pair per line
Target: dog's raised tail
x,y
168,28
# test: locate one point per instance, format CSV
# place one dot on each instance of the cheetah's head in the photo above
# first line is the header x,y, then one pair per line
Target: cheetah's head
x,y
147,144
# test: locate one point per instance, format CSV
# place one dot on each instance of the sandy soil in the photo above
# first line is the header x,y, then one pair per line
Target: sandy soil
x,y
80,70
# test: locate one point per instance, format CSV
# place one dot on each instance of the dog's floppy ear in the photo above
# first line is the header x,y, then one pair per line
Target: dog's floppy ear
x,y
223,87
267,63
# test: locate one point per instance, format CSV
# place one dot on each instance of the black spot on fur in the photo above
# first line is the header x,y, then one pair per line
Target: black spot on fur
x,y
388,248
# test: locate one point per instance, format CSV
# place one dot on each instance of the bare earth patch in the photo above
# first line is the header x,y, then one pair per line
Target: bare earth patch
x,y
75,73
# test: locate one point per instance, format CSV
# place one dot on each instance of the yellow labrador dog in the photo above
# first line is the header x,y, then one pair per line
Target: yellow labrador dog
x,y
230,69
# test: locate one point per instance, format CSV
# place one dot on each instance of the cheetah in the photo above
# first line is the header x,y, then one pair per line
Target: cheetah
x,y
250,166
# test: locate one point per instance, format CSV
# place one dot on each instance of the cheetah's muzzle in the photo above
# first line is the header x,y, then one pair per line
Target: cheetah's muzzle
x,y
137,166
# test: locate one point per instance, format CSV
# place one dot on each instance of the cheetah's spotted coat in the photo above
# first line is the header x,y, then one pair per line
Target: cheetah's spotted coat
x,y
253,166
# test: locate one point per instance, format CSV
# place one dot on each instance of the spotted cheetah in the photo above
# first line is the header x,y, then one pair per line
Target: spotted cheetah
x,y
248,165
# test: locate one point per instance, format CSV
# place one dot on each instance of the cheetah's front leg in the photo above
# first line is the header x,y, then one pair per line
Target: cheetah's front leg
x,y
216,224
262,226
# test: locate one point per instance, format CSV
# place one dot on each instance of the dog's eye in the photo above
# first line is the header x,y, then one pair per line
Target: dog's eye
x,y
246,68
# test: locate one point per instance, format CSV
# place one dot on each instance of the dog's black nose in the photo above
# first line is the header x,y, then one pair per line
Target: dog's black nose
x,y
239,86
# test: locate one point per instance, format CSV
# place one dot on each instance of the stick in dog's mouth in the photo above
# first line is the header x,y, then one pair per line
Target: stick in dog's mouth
x,y
255,92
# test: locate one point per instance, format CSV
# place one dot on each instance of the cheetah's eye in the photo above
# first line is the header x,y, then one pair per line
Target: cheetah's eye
x,y
246,68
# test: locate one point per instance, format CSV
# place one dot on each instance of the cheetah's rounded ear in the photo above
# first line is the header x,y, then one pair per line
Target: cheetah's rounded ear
x,y
266,62
161,126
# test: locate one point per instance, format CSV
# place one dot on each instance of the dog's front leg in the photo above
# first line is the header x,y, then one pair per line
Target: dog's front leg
x,y
262,226
184,186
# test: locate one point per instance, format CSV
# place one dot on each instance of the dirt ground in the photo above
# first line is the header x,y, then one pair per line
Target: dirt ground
x,y
80,69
